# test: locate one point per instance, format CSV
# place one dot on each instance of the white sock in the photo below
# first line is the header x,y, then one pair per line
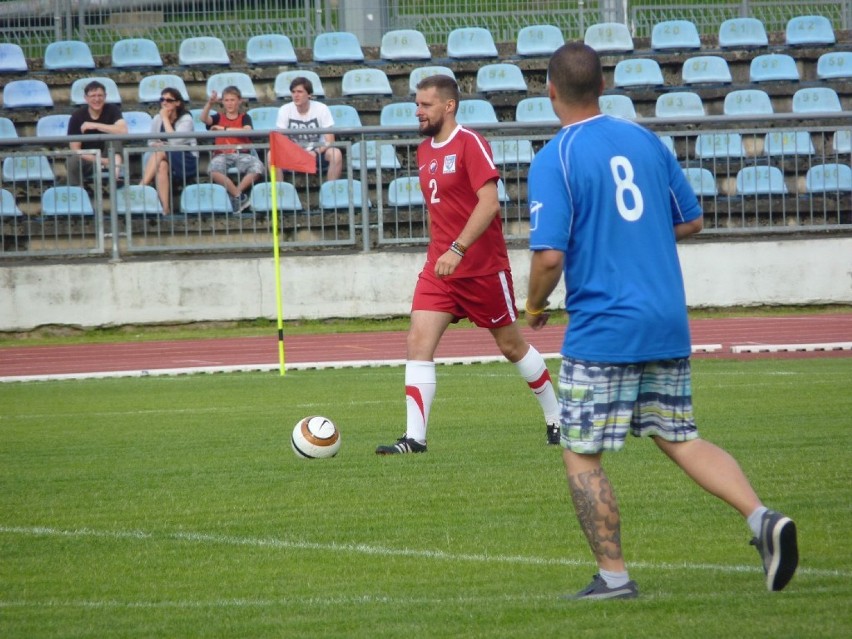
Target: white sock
x,y
533,369
614,579
419,392
755,518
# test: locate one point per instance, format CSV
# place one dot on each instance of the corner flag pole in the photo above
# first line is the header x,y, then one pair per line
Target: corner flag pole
x,y
277,258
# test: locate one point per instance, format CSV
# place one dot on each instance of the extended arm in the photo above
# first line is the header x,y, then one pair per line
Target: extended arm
x,y
545,272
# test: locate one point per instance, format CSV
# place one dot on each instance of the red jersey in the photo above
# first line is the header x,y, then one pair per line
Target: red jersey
x,y
450,175
242,120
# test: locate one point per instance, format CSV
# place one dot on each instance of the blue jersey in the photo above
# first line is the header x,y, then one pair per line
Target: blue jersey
x,y
607,193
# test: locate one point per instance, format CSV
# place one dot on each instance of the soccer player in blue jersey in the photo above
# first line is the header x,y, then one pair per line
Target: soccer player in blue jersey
x,y
607,203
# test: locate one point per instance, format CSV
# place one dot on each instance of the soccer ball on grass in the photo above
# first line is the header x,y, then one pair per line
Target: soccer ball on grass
x,y
315,437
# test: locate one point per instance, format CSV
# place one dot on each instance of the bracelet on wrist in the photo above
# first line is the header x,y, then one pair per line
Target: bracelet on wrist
x,y
458,249
533,312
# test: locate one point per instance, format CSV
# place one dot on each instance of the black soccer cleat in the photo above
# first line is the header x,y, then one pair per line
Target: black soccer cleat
x,y
403,445
598,589
553,434
778,549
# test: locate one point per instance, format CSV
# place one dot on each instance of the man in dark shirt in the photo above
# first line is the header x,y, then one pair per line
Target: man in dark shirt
x,y
96,118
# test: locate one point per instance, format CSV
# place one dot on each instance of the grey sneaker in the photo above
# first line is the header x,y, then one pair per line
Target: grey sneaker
x,y
552,430
778,549
599,590
402,445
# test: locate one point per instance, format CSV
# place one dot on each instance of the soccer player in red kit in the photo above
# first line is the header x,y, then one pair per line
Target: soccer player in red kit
x,y
467,271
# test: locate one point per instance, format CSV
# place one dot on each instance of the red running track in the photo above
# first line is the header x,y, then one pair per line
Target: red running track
x,y
21,362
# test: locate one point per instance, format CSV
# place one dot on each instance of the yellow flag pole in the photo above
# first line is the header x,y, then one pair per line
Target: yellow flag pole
x,y
277,258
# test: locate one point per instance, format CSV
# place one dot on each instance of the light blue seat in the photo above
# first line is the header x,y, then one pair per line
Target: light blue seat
x,y
702,69
512,152
537,109
205,199
471,42
345,116
620,106
138,200
68,54
197,124
502,194
539,40
772,67
475,112
609,37
53,125
270,48
788,143
761,180
365,82
742,33
202,51
23,94
12,59
8,206
286,197
829,178
501,76
283,80
150,87
834,65
816,100
336,194
66,200
263,118
675,34
747,102
27,168
668,142
377,155
809,30
138,121
419,73
7,129
136,53
337,46
218,81
405,191
404,44
78,88
637,72
702,181
719,145
842,141
398,114
679,104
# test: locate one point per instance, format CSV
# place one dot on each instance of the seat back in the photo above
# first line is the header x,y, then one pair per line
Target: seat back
x,y
263,118
270,48
345,116
66,200
537,109
405,191
7,129
12,59
138,121
337,46
809,30
636,72
771,67
620,106
501,76
202,51
788,143
679,104
135,53
68,54
398,114
404,44
365,82
841,141
283,80
475,112
205,198
816,100
747,102
701,181
8,206
512,152
336,194
761,180
834,64
23,94
609,37
419,73
827,178
138,200
150,87
719,145
706,69
471,42
197,124
53,125
286,197
539,40
377,155
218,81
675,34
78,88
27,168
742,33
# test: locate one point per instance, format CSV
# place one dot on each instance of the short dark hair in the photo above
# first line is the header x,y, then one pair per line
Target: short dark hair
x,y
575,73
94,85
302,81
446,87
232,90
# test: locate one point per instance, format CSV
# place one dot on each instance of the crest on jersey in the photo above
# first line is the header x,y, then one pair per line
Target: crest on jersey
x,y
450,163
433,166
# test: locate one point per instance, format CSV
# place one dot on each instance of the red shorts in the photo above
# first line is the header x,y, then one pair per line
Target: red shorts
x,y
487,301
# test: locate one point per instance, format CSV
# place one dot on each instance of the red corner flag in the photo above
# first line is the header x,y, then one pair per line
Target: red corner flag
x,y
289,156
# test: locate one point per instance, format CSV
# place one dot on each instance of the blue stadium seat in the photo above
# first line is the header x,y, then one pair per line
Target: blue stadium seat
x,y
78,87
405,191
68,54
138,200
242,81
702,181
8,206
53,125
66,200
537,109
780,142
337,46
365,82
336,194
829,178
501,76
23,94
136,53
512,152
668,142
345,116
475,112
138,121
398,114
197,124
773,67
471,42
502,195
675,34
378,155
719,145
283,80
816,100
202,51
742,33
711,69
7,129
286,197
679,104
809,30
841,141
270,48
150,87
760,180
419,73
263,118
27,168
637,72
205,198
539,40
404,44
12,59
609,37
620,106
747,102
834,65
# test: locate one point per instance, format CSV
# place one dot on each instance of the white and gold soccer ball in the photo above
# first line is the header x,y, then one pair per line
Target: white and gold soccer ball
x,y
315,437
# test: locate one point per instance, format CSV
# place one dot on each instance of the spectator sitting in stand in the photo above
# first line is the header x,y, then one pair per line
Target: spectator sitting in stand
x,y
96,118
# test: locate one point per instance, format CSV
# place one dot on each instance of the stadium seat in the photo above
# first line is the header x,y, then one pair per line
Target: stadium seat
x,y
66,200
471,42
702,181
419,73
679,104
138,200
609,37
538,109
365,82
263,118
336,194
27,168
8,206
196,119
337,46
502,195
345,116
841,141
809,30
620,106
202,51
12,59
286,197
675,34
68,54
828,178
512,152
668,142
747,102
398,114
773,67
404,44
475,112
539,40
760,180
53,125
788,143
816,100
205,198
711,69
138,121
405,191
150,87
834,65
719,145
7,129
218,81
270,48
377,155
78,87
501,76
283,80
742,33
637,72
136,53
23,94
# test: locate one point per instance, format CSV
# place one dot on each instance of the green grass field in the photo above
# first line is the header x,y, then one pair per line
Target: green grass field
x,y
174,507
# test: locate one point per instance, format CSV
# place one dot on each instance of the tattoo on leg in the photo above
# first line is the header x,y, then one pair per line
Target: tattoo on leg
x,y
597,511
